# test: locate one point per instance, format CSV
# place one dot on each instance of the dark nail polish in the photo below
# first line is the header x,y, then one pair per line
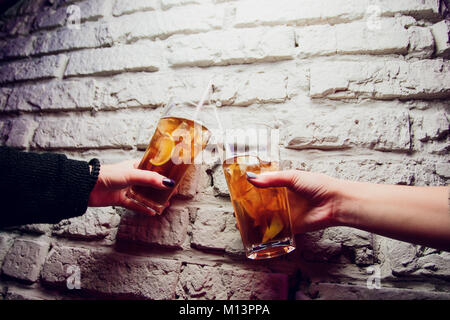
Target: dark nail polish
x,y
168,182
251,175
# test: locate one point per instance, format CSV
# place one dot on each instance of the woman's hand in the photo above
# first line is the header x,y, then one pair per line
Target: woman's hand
x,y
114,181
312,197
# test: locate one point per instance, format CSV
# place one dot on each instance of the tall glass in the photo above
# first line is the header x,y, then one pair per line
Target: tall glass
x,y
262,214
179,137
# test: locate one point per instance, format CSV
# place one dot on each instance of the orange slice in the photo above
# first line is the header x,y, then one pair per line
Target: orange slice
x,y
166,145
276,225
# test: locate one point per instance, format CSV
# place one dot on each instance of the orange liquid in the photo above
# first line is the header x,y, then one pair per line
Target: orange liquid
x,y
262,213
172,149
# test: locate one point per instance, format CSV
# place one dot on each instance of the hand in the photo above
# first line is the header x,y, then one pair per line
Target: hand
x,y
312,197
114,181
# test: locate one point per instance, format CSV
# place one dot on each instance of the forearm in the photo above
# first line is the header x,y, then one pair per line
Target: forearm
x,y
414,214
41,188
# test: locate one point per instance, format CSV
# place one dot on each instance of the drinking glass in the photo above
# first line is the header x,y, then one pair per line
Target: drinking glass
x,y
262,214
180,136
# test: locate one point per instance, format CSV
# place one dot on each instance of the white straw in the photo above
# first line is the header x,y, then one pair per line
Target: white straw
x,y
205,95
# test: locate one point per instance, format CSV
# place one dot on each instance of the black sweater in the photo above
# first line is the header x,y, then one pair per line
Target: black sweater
x,y
41,188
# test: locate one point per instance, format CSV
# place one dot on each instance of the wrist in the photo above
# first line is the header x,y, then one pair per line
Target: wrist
x,y
345,202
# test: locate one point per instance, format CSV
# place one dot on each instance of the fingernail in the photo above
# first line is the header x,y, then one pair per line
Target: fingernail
x,y
168,182
251,175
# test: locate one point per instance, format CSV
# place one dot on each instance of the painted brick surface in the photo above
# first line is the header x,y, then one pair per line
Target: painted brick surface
x,y
24,259
359,90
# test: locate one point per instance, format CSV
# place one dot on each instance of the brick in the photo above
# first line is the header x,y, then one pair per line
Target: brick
x,y
16,47
421,43
242,88
316,40
167,4
24,260
36,228
383,130
5,128
64,39
337,245
84,133
358,38
114,275
435,264
4,96
388,171
38,68
167,230
54,95
215,228
28,7
432,125
5,244
17,26
15,294
88,10
220,184
144,56
251,13
335,291
226,283
20,134
191,183
424,79
406,259
95,224
183,20
430,130
126,7
232,47
441,31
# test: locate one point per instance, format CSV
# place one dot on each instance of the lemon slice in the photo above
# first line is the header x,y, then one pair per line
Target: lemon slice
x,y
165,150
276,225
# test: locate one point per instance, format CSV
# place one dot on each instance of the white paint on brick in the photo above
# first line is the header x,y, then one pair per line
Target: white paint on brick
x,y
184,20
24,259
441,32
54,95
113,275
384,130
307,12
34,69
424,79
85,133
232,47
125,6
143,56
89,10
64,39
354,86
166,230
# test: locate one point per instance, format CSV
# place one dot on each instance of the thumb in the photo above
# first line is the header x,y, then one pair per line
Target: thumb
x,y
273,179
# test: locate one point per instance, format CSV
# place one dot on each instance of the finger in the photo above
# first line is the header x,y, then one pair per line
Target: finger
x,y
273,179
135,164
149,179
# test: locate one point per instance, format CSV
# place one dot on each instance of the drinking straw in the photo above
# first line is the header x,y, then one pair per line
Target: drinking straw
x,y
202,100
206,95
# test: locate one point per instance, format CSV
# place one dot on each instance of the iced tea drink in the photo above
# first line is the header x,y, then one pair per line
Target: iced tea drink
x,y
172,149
262,214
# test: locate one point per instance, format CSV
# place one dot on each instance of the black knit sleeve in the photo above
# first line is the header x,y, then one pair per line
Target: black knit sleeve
x,y
42,188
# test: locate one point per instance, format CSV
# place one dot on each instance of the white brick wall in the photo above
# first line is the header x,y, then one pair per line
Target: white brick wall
x,y
359,89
